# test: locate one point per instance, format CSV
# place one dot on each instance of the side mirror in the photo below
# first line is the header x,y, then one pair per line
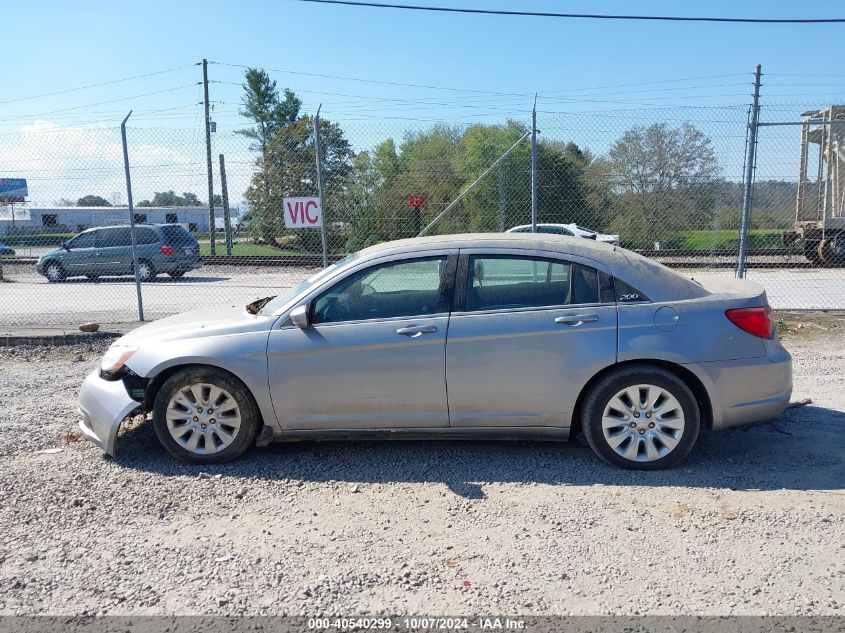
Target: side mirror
x,y
299,316
65,246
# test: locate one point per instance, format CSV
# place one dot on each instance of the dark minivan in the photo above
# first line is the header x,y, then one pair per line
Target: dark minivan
x,y
107,252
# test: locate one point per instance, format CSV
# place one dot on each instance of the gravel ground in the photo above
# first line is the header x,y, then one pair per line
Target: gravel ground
x,y
752,523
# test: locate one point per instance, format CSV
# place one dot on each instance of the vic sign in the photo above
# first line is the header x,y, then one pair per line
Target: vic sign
x,y
303,213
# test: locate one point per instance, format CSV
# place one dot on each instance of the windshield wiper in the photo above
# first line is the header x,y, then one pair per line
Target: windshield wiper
x,y
256,305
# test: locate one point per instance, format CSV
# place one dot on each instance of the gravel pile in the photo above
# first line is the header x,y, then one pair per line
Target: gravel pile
x,y
752,523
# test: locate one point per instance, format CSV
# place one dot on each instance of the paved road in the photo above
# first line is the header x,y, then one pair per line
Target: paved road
x,y
31,301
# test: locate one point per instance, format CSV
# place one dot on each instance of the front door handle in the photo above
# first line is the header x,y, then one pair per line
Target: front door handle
x,y
414,331
577,319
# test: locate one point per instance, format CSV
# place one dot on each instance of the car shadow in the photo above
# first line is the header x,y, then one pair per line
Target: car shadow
x,y
798,452
131,280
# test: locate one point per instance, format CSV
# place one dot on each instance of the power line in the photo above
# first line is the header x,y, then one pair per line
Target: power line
x,y
475,90
376,81
103,83
589,16
91,105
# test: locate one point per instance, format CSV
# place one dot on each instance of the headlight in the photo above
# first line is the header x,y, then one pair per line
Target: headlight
x,y
115,357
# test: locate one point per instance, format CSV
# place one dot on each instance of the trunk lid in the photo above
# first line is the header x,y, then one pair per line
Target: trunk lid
x,y
740,292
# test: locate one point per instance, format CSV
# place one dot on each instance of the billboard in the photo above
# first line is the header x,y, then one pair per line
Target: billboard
x,y
13,190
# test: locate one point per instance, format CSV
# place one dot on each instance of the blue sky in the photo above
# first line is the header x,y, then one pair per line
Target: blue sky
x,y
575,65
61,45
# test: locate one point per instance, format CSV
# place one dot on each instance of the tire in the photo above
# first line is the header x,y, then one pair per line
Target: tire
x,y
656,440
831,251
811,252
176,273
54,272
146,270
178,437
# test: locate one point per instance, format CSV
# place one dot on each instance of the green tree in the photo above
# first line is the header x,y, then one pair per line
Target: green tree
x,y
655,170
170,199
271,116
288,168
262,105
93,201
365,221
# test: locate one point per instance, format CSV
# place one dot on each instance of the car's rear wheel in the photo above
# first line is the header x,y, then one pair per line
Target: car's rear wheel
x,y
205,416
146,271
641,417
54,272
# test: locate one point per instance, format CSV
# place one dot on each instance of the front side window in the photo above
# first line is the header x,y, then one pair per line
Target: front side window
x,y
396,289
84,240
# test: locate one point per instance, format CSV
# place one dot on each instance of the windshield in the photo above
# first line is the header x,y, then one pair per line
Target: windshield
x,y
284,297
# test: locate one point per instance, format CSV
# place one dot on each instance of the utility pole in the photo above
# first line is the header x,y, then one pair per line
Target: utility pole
x,y
211,223
534,165
748,178
227,218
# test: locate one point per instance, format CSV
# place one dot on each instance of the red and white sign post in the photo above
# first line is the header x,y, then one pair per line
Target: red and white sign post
x,y
417,202
303,213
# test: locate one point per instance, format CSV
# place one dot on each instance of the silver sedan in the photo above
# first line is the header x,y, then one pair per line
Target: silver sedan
x,y
461,336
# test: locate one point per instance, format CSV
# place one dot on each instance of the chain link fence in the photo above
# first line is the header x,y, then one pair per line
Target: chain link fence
x,y
666,182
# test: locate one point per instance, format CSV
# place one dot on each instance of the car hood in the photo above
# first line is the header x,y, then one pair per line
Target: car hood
x,y
217,320
55,251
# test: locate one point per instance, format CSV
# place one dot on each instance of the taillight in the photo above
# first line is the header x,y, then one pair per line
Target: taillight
x,y
166,250
756,321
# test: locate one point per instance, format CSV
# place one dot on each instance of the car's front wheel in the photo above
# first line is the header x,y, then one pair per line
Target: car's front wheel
x,y
641,417
54,272
205,416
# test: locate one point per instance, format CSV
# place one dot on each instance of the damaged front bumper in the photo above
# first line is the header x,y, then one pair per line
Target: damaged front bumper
x,y
103,405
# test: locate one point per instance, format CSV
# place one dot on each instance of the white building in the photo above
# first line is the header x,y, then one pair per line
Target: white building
x,y
22,219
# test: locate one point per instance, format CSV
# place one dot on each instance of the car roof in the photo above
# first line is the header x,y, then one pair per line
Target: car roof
x,y
126,226
574,246
527,226
650,277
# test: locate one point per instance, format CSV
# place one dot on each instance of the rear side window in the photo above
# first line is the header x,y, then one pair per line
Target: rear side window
x,y
114,237
585,284
500,283
146,236
177,235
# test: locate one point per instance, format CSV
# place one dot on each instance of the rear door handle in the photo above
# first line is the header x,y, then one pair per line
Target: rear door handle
x,y
414,331
577,319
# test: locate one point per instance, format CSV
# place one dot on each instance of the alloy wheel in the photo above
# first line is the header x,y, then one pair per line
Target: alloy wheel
x,y
203,418
643,422
145,271
54,272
